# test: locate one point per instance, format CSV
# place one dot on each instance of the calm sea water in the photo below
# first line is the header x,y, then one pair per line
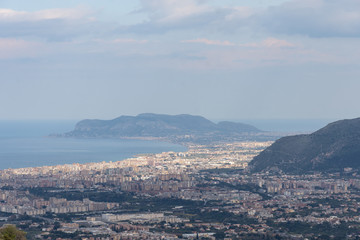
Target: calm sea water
x,y
24,144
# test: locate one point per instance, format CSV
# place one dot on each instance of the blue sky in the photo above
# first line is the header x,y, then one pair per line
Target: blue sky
x,y
229,59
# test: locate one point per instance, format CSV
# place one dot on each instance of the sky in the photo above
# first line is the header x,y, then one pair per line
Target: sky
x,y
228,59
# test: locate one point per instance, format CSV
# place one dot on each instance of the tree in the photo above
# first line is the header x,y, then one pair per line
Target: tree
x,y
10,232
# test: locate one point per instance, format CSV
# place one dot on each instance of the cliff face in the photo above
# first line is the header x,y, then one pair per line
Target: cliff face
x,y
157,125
332,148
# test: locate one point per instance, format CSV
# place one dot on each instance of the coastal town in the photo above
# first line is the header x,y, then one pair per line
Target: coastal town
x,y
179,120
206,192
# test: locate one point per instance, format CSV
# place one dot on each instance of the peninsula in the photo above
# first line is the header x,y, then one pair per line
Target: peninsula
x,y
182,128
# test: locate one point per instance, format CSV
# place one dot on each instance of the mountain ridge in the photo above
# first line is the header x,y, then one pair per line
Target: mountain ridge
x,y
332,148
175,128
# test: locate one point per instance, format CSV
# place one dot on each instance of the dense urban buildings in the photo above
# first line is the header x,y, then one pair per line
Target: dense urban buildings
x,y
204,193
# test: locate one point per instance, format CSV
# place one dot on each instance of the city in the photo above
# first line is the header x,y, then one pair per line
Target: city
x,y
180,119
204,193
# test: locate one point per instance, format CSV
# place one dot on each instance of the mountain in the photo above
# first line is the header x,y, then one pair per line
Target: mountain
x,y
332,148
171,127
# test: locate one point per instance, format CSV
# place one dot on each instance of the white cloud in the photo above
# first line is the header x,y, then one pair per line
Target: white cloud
x,y
314,18
11,48
167,11
9,15
129,40
60,24
121,40
210,42
239,13
273,42
174,15
269,43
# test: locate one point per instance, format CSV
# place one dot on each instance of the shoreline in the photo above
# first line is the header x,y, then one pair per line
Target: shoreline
x,y
220,157
37,152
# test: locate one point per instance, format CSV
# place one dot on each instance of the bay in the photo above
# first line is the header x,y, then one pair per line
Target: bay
x,y
24,144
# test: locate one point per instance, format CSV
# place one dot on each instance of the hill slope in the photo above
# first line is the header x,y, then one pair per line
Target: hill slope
x,y
177,127
332,148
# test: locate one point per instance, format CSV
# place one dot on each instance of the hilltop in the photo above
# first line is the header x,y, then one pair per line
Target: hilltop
x,y
332,148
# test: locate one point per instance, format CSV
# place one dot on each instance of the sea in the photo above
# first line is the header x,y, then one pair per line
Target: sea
x,y
26,144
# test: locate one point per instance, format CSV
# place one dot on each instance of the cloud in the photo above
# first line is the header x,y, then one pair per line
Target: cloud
x,y
273,42
210,42
121,41
49,24
11,48
269,43
129,40
314,18
172,15
169,11
239,13
9,15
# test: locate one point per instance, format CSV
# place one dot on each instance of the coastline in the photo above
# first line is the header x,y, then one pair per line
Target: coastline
x,y
17,153
220,158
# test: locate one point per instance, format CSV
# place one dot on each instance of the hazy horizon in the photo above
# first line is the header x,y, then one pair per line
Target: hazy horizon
x,y
254,59
30,127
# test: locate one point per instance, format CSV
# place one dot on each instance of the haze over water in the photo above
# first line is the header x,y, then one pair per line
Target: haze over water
x,y
24,144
